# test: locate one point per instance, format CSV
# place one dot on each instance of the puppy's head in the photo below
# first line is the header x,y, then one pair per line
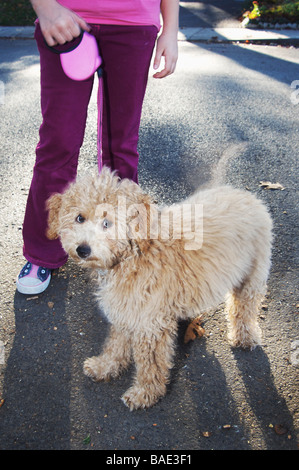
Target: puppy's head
x,y
100,219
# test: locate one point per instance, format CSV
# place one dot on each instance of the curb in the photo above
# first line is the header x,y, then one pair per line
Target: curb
x,y
17,32
237,35
190,34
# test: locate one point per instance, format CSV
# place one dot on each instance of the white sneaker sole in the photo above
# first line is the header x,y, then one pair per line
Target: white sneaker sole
x,y
31,290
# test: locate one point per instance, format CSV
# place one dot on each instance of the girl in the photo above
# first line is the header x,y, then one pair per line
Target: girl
x,y
126,33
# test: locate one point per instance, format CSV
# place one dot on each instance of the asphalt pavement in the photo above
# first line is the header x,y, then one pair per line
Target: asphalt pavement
x,y
229,114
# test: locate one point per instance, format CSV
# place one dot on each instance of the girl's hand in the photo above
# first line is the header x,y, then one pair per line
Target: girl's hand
x,y
58,24
167,47
167,44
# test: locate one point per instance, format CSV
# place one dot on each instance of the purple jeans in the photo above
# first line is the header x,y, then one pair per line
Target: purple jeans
x,y
126,52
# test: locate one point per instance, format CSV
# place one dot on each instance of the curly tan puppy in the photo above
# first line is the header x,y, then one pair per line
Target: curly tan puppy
x,y
157,266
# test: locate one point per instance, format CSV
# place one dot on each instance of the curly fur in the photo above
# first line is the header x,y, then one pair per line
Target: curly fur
x,y
150,283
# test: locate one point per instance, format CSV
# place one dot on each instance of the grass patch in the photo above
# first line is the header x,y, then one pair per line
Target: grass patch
x,y
276,11
16,13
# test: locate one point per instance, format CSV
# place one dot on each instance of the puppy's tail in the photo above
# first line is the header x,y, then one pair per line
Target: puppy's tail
x,y
218,173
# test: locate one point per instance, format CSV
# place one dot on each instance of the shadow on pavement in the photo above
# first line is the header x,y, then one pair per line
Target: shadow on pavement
x,y
38,375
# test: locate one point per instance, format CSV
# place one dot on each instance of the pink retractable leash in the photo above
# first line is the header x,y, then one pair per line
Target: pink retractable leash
x,y
80,59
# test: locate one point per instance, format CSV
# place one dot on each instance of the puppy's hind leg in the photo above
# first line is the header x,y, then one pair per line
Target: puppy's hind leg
x,y
243,305
115,357
242,309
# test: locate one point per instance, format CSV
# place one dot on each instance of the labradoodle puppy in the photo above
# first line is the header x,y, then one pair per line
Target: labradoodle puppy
x,y
159,265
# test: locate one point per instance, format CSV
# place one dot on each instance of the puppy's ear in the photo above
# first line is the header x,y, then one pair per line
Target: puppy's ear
x,y
53,205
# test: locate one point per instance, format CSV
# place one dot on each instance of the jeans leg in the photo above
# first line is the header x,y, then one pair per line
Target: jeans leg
x,y
64,105
126,52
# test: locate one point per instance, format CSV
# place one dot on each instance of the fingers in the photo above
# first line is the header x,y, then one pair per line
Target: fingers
x,y
166,48
62,29
168,69
60,33
157,60
82,24
56,37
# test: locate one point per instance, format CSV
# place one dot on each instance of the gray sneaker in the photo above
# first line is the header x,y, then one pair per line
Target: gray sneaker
x,y
33,279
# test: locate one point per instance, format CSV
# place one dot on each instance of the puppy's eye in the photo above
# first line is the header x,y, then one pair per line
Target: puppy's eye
x,y
106,224
80,219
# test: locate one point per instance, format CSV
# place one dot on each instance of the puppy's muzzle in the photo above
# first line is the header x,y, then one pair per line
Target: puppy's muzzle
x,y
83,251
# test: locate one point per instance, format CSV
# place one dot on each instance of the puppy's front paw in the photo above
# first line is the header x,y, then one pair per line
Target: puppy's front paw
x,y
139,397
93,368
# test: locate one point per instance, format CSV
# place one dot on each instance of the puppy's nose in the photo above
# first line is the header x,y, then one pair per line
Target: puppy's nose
x,y
83,251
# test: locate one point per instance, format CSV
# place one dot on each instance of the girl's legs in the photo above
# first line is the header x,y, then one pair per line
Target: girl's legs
x,y
126,52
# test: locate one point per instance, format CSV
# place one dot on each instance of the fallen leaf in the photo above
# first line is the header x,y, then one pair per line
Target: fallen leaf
x,y
87,439
2,402
226,426
50,304
280,429
269,185
194,330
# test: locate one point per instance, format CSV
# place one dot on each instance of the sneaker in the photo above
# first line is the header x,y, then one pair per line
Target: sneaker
x,y
33,279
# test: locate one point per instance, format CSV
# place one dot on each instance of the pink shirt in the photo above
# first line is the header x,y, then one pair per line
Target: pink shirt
x,y
122,12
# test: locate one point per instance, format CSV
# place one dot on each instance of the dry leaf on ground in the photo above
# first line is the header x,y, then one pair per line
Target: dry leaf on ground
x,y
194,330
226,426
280,429
269,185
